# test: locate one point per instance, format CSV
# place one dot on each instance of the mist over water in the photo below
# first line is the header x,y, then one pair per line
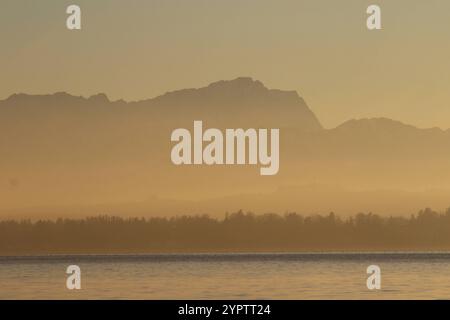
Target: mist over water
x,y
228,276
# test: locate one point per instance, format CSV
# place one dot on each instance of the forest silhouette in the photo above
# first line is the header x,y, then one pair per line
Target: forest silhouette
x,y
237,232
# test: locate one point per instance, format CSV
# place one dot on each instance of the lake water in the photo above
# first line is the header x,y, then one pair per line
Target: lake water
x,y
228,276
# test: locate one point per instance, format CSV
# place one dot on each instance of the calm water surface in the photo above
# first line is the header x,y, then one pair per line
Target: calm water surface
x,y
228,276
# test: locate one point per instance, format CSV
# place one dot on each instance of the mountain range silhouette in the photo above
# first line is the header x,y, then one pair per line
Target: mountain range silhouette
x,y
73,155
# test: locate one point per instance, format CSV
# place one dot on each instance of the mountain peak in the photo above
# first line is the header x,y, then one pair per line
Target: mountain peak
x,y
99,98
372,123
382,125
235,89
238,101
239,83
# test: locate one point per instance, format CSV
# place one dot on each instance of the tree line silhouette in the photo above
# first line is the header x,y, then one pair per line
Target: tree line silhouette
x,y
428,230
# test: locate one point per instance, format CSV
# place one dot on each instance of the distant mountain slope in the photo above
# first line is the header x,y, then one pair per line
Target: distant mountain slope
x,y
241,102
387,139
61,150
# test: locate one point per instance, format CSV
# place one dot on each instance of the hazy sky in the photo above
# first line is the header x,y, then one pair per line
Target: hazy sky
x,y
139,49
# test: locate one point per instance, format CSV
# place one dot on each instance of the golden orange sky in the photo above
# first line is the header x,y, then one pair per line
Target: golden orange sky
x,y
139,49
